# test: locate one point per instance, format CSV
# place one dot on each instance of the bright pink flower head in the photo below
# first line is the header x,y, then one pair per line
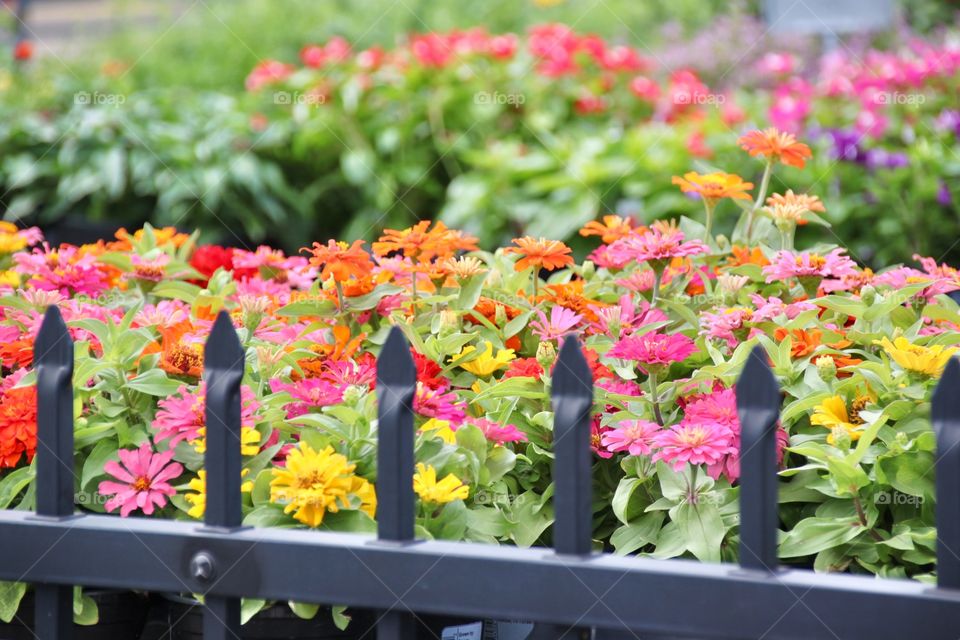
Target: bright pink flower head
x,y
719,408
63,270
267,72
181,416
654,349
562,321
789,264
435,403
309,394
633,436
693,443
725,324
499,433
144,480
654,244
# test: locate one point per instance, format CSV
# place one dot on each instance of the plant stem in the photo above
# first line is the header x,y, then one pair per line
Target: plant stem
x,y
413,294
709,206
761,196
862,517
652,378
655,296
340,299
536,285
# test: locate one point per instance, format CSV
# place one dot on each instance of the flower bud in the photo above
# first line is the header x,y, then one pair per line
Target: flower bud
x,y
500,315
827,368
868,294
449,322
546,354
353,394
841,438
588,269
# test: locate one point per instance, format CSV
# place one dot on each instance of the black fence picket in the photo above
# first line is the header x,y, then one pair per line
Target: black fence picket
x,y
567,593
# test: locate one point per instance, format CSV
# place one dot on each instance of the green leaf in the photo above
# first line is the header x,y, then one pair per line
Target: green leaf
x,y
11,593
627,502
13,484
909,472
250,607
85,610
308,308
813,535
154,382
103,452
638,533
177,289
702,529
304,610
470,292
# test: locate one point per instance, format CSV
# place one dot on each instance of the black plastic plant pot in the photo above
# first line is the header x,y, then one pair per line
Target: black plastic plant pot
x,y
180,618
122,615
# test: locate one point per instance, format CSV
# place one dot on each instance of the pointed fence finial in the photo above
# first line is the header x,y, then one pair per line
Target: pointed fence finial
x,y
573,486
396,386
758,407
945,415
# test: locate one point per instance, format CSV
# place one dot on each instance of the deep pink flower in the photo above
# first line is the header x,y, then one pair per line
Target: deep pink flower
x,y
562,321
655,244
597,432
181,416
308,394
719,407
143,476
437,404
693,443
63,270
654,349
788,264
499,433
633,436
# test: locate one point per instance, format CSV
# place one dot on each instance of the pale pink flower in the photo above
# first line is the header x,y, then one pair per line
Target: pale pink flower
x,y
788,264
499,433
308,394
653,349
143,476
693,443
633,436
165,313
725,323
655,244
350,373
624,318
182,415
773,307
562,321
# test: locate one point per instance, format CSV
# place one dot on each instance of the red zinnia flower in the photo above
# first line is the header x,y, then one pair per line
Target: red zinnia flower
x,y
18,426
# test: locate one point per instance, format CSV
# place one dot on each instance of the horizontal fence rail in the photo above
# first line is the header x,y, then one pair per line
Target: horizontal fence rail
x,y
566,591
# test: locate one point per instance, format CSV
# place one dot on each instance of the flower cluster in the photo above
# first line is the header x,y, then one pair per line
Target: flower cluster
x,y
666,313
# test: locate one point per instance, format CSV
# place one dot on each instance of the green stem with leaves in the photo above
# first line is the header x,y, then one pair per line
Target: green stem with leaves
x,y
761,197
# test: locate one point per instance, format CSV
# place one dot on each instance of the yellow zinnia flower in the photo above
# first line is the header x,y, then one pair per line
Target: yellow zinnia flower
x,y
440,429
486,363
199,499
927,360
315,482
438,492
10,278
832,413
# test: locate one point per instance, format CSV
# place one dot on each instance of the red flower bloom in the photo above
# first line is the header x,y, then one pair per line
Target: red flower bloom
x,y
18,426
524,368
208,258
429,373
23,50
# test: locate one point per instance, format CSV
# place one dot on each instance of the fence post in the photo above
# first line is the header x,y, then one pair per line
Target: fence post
x,y
53,356
758,408
945,415
572,397
223,364
396,386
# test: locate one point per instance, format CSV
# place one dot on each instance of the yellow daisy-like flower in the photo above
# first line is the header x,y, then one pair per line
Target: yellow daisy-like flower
x,y
10,239
486,363
249,441
927,360
440,429
431,490
199,499
315,482
832,413
10,278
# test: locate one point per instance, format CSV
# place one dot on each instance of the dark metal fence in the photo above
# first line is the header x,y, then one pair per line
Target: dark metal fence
x,y
567,590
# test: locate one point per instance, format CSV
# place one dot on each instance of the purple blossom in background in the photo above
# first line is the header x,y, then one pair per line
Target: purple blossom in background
x,y
949,120
944,196
883,159
846,145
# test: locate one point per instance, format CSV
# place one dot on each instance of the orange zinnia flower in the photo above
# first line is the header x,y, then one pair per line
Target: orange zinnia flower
x,y
745,255
776,145
340,260
802,342
343,347
610,230
423,243
540,253
178,356
18,426
714,186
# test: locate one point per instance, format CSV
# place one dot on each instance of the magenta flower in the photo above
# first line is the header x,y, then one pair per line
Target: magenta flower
x,y
654,244
143,477
308,394
693,443
788,264
633,436
63,270
434,403
345,373
719,408
725,323
654,349
561,322
181,416
499,433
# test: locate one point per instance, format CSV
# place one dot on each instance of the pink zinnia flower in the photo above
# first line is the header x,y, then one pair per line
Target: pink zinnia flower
x,y
654,349
143,477
655,244
149,269
773,307
499,433
165,313
308,394
633,436
725,323
597,432
181,416
437,404
625,317
61,270
561,322
345,373
719,407
693,443
788,264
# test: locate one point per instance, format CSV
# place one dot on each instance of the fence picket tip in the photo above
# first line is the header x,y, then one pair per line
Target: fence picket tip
x,y
572,376
54,344
223,350
395,366
758,390
945,416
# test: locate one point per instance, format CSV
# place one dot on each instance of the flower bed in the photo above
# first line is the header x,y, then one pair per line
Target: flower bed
x,y
667,314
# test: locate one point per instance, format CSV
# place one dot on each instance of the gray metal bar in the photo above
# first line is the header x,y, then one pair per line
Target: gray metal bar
x,y
945,415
